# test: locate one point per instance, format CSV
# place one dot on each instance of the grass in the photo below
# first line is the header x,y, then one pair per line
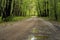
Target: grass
x,y
51,20
16,18
46,18
1,20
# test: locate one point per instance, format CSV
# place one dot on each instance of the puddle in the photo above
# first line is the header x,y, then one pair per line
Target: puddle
x,y
37,35
41,37
31,37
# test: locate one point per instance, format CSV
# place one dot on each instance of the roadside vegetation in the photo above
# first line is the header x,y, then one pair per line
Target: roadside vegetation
x,y
12,10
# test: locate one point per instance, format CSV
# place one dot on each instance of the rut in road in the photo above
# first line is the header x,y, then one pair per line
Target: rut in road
x,y
22,30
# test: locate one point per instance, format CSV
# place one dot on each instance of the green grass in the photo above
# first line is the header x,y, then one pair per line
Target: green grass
x,y
14,19
51,20
46,18
1,20
19,18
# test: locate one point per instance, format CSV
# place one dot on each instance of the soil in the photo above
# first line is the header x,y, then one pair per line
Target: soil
x,y
35,26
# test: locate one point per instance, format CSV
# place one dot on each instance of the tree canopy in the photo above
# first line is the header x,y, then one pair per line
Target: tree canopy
x,y
41,8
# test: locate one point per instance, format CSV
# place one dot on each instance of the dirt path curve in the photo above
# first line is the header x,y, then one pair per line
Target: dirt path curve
x,y
24,29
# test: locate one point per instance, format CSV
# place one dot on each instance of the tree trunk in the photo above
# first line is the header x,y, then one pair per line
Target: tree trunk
x,y
7,9
55,10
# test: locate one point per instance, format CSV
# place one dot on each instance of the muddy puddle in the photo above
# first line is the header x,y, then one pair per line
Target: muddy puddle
x,y
37,34
32,37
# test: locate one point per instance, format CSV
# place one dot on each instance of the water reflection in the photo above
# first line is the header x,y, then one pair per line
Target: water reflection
x,y
38,38
33,38
37,34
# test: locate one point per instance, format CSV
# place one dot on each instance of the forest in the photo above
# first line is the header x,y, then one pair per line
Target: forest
x,y
10,9
29,19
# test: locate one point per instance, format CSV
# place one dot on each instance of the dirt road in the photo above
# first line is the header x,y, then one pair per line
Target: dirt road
x,y
30,29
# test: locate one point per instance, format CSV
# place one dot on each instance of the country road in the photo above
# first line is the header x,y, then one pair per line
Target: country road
x,y
30,29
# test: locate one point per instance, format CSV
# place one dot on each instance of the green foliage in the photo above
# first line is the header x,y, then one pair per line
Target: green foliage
x,y
18,18
31,7
9,18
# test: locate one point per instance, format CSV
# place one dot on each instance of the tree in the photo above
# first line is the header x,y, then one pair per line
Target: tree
x,y
55,10
38,8
0,7
7,10
46,9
